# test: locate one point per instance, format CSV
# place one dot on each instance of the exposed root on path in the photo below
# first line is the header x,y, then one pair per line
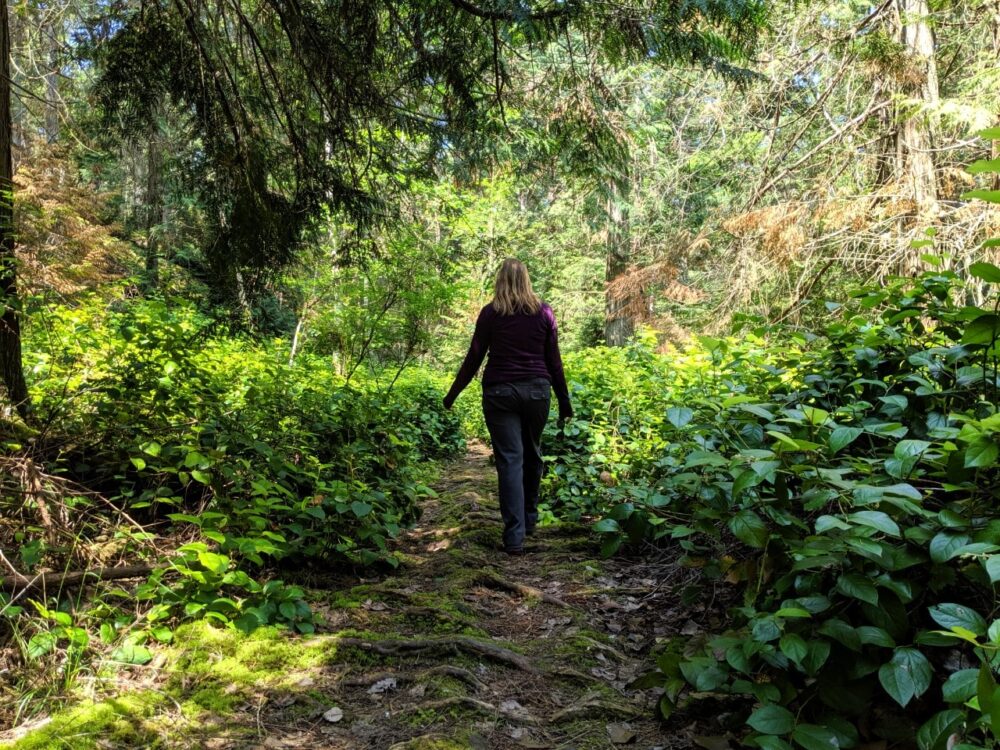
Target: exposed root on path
x,y
517,715
494,581
403,678
475,646
589,705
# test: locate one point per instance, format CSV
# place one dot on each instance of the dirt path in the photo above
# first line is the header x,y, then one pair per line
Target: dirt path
x,y
461,647
476,649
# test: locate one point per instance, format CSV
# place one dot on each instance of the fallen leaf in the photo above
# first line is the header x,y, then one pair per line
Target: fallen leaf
x,y
620,734
333,715
383,686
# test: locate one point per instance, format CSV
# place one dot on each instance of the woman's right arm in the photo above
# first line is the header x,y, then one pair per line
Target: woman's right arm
x,y
473,359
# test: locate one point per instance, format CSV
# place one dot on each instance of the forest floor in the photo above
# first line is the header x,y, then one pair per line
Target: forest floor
x,y
460,647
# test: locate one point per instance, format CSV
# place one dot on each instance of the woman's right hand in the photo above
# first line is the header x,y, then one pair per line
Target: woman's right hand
x,y
565,413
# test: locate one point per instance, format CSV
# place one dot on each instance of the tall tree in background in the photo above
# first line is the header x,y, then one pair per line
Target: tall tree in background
x,y
916,136
300,109
11,368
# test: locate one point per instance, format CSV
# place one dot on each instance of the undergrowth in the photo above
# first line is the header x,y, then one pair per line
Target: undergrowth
x,y
166,442
842,482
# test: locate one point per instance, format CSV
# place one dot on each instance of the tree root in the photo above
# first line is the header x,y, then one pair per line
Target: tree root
x,y
589,704
486,649
401,677
495,581
433,612
605,648
465,701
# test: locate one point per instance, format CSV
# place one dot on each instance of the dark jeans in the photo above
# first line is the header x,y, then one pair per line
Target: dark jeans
x,y
515,416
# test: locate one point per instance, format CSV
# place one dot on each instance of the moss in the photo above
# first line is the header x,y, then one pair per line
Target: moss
x,y
431,743
124,721
214,671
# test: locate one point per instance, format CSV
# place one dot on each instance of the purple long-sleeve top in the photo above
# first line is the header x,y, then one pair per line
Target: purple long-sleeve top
x,y
521,347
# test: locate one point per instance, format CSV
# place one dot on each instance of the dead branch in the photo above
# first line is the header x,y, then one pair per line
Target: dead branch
x,y
15,581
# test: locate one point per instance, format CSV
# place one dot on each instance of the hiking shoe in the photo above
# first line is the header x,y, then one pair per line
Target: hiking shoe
x,y
514,550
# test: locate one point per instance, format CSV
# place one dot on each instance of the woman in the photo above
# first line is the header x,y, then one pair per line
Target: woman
x,y
519,332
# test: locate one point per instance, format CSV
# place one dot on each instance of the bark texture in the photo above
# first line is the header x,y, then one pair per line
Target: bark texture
x,y
11,370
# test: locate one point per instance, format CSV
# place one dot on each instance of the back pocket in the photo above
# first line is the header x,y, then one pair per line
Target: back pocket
x,y
501,390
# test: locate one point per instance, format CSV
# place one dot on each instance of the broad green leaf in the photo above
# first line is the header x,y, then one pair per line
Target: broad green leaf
x,y
960,686
815,737
815,416
138,463
843,436
958,616
606,526
765,629
202,477
858,586
41,643
990,196
936,731
945,544
794,647
825,523
840,631
772,719
748,478
819,652
758,410
131,653
873,636
360,509
679,416
906,676
749,528
983,330
981,454
910,448
877,520
986,272
214,562
992,565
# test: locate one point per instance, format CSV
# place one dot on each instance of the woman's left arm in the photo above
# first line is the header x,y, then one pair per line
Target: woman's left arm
x,y
553,363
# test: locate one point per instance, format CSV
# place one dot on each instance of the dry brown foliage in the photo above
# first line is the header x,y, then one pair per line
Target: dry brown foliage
x,y
66,242
871,236
636,290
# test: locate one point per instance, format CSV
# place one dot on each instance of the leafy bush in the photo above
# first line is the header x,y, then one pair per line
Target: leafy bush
x,y
845,480
152,403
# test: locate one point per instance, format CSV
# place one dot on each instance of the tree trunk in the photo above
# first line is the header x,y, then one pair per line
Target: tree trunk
x,y
154,207
618,323
52,31
916,137
11,369
995,28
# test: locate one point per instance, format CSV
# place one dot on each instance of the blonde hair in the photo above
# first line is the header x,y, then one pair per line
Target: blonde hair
x,y
513,292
